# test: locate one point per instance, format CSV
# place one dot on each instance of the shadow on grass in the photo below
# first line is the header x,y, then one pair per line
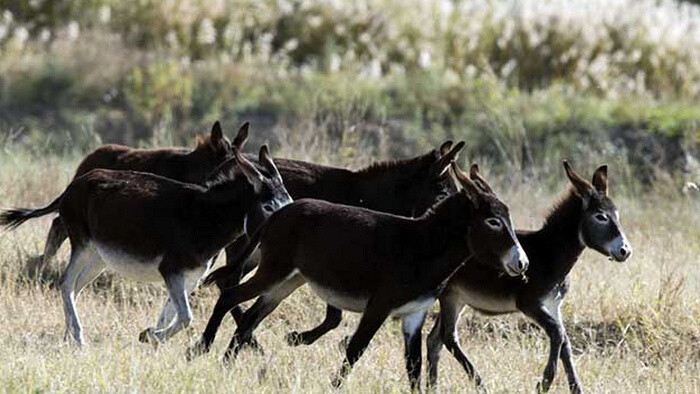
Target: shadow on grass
x,y
650,340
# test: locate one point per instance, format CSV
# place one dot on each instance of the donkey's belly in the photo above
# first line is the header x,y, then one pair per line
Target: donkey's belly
x,y
488,303
131,266
340,300
413,306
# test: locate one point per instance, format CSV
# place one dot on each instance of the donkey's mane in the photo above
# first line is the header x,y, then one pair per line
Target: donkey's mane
x,y
390,165
202,141
561,212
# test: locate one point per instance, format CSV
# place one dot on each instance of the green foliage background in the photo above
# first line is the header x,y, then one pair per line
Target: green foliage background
x,y
525,83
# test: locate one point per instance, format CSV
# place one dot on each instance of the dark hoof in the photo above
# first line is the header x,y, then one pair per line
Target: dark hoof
x,y
542,387
195,351
35,266
294,338
146,336
343,344
336,382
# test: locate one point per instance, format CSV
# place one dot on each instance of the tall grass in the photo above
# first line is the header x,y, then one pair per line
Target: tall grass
x,y
633,326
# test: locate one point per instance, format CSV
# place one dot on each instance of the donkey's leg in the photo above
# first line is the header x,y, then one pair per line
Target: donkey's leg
x,y
265,279
571,375
84,266
243,269
450,311
167,315
165,319
434,344
234,249
178,293
57,234
555,330
371,320
263,306
332,320
169,312
411,326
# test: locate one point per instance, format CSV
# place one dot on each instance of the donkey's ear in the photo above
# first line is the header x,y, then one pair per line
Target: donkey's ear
x,y
216,135
445,147
468,186
241,136
600,179
479,180
251,173
582,188
439,167
265,159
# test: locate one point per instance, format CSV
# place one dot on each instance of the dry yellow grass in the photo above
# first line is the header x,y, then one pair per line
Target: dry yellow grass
x,y
634,326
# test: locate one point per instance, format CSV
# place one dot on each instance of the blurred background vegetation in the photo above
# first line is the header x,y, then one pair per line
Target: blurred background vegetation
x,y
525,83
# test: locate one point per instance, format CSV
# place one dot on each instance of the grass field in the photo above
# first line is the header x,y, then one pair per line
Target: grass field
x,y
634,326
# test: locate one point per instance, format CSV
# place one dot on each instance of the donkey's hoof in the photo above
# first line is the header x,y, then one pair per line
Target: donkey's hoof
x,y
294,338
575,388
343,344
148,336
195,351
542,387
337,381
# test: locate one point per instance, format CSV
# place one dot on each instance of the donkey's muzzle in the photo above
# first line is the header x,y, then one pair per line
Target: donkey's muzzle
x,y
515,261
620,249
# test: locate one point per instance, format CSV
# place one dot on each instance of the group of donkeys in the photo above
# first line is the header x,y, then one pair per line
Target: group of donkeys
x,y
386,240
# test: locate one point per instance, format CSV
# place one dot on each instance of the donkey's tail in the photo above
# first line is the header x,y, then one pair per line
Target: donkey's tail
x,y
13,218
225,274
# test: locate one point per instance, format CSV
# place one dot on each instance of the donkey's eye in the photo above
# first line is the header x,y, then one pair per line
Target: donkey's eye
x,y
494,223
601,217
267,208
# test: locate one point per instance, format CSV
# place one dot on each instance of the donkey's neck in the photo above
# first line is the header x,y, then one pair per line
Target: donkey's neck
x,y
223,207
560,239
444,230
396,170
380,184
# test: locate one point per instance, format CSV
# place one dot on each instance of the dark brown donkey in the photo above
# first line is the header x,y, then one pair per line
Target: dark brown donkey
x,y
370,262
585,217
180,164
401,187
148,228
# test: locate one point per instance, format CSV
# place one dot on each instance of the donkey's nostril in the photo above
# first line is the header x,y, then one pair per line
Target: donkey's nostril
x,y
624,252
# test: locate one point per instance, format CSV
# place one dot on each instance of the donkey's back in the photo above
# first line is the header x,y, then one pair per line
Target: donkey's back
x,y
168,162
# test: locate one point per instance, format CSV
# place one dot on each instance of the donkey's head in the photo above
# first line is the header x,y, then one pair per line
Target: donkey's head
x,y
491,237
600,227
268,189
216,148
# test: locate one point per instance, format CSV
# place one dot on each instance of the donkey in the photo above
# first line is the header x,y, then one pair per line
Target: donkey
x,y
401,187
370,262
585,217
147,227
180,164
